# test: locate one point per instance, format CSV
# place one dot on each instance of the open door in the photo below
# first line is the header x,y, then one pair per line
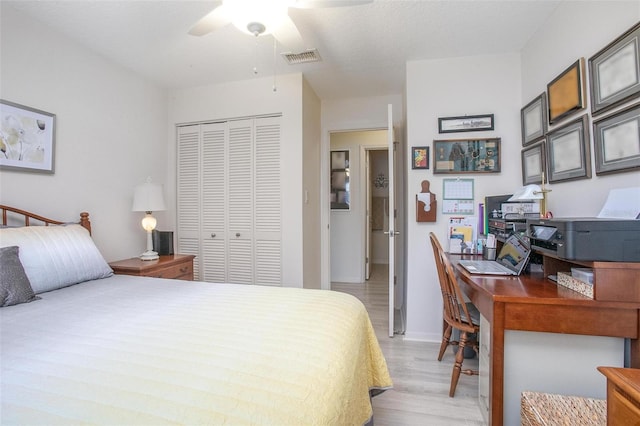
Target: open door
x,y
392,232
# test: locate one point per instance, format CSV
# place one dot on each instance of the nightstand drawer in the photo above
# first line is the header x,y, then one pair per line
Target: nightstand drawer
x,y
179,272
176,266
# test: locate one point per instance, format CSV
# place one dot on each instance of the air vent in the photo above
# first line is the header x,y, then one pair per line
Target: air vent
x,y
310,55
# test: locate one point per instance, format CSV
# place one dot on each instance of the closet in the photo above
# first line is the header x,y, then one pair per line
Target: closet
x,y
229,204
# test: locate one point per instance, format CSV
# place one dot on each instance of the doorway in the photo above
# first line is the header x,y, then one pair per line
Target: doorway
x,y
348,223
376,217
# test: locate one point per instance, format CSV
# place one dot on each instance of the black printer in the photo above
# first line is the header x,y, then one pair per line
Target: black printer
x,y
590,239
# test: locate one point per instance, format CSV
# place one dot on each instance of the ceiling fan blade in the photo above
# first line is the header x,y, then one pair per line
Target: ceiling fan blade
x,y
212,21
313,4
289,36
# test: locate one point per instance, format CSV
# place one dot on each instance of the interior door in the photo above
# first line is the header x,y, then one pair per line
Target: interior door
x,y
392,216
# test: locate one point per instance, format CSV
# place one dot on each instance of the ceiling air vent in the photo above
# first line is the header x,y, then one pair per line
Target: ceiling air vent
x,y
310,55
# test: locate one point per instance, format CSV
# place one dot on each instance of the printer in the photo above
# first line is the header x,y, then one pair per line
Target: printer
x,y
589,239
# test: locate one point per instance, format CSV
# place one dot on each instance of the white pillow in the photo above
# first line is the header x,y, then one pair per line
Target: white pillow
x,y
56,256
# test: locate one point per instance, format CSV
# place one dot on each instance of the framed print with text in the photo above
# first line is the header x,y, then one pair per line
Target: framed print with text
x,y
568,153
467,123
565,94
533,119
466,156
533,163
617,141
615,72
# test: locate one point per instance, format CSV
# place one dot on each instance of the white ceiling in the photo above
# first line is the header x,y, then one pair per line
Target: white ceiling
x,y
364,48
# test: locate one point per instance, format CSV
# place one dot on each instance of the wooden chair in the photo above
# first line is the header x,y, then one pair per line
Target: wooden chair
x,y
457,314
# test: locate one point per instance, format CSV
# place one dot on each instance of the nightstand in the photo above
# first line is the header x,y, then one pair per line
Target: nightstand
x,y
176,266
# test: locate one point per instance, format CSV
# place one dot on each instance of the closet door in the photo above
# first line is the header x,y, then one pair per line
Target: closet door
x,y
188,194
268,202
213,202
240,202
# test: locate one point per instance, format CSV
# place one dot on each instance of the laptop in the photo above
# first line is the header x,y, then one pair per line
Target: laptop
x,y
511,260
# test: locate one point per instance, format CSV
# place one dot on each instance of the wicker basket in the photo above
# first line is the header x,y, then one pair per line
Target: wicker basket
x,y
547,409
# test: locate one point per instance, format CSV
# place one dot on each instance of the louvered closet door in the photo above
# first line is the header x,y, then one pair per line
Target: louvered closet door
x,y
240,203
268,203
188,197
213,202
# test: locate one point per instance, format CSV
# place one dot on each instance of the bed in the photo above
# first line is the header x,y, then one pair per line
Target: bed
x,y
90,347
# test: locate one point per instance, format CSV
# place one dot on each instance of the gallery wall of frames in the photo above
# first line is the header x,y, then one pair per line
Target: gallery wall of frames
x,y
556,124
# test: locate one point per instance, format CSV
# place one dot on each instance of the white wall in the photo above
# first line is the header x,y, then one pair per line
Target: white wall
x,y
501,85
454,87
251,98
110,133
540,65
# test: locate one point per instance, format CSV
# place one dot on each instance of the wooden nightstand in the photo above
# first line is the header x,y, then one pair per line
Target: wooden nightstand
x,y
176,266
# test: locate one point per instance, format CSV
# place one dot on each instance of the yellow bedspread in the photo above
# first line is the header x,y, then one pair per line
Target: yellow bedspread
x,y
134,350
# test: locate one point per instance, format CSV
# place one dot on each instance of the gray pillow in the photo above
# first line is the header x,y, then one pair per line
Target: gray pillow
x,y
14,284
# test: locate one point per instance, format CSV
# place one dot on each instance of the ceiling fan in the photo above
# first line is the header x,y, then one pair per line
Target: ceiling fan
x,y
259,17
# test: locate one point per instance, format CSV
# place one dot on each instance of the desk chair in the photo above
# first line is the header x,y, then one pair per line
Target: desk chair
x,y
457,314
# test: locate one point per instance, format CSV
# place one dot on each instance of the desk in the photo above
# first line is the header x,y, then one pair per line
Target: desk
x,y
532,303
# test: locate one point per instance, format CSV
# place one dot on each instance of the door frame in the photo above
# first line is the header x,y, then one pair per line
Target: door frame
x,y
325,205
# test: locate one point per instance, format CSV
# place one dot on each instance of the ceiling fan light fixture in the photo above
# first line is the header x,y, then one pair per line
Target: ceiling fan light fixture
x,y
251,16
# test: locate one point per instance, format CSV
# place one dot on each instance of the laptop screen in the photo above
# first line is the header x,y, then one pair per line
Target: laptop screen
x,y
514,254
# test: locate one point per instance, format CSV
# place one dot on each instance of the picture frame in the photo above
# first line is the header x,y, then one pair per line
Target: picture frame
x,y
534,162
565,94
27,138
420,157
615,72
340,185
457,156
533,119
617,141
568,153
467,123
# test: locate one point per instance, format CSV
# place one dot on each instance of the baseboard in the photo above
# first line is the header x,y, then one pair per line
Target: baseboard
x,y
423,337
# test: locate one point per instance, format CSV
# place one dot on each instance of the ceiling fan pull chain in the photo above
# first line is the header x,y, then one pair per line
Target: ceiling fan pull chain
x,y
275,63
255,56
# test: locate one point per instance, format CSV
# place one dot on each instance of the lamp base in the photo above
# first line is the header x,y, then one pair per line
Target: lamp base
x,y
149,255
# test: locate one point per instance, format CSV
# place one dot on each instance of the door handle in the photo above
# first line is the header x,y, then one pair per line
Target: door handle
x,y
391,233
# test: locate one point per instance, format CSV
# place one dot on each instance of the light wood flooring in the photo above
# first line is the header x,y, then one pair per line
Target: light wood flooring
x,y
420,394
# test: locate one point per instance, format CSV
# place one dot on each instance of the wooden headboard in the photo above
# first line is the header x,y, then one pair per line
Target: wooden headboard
x,y
26,217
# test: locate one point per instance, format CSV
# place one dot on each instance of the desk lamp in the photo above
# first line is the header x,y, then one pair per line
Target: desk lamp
x,y
531,193
148,198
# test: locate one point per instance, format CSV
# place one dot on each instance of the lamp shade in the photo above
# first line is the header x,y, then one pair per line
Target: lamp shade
x,y
148,197
528,193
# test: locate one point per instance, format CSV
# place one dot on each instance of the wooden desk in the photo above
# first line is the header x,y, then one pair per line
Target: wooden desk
x,y
533,303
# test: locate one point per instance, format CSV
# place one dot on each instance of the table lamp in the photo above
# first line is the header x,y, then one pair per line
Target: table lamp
x,y
147,197
531,193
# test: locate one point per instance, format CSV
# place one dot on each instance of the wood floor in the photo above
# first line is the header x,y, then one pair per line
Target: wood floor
x,y
420,394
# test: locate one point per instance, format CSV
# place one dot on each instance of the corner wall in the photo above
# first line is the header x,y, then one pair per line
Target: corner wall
x,y
110,133
443,88
571,31
501,85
